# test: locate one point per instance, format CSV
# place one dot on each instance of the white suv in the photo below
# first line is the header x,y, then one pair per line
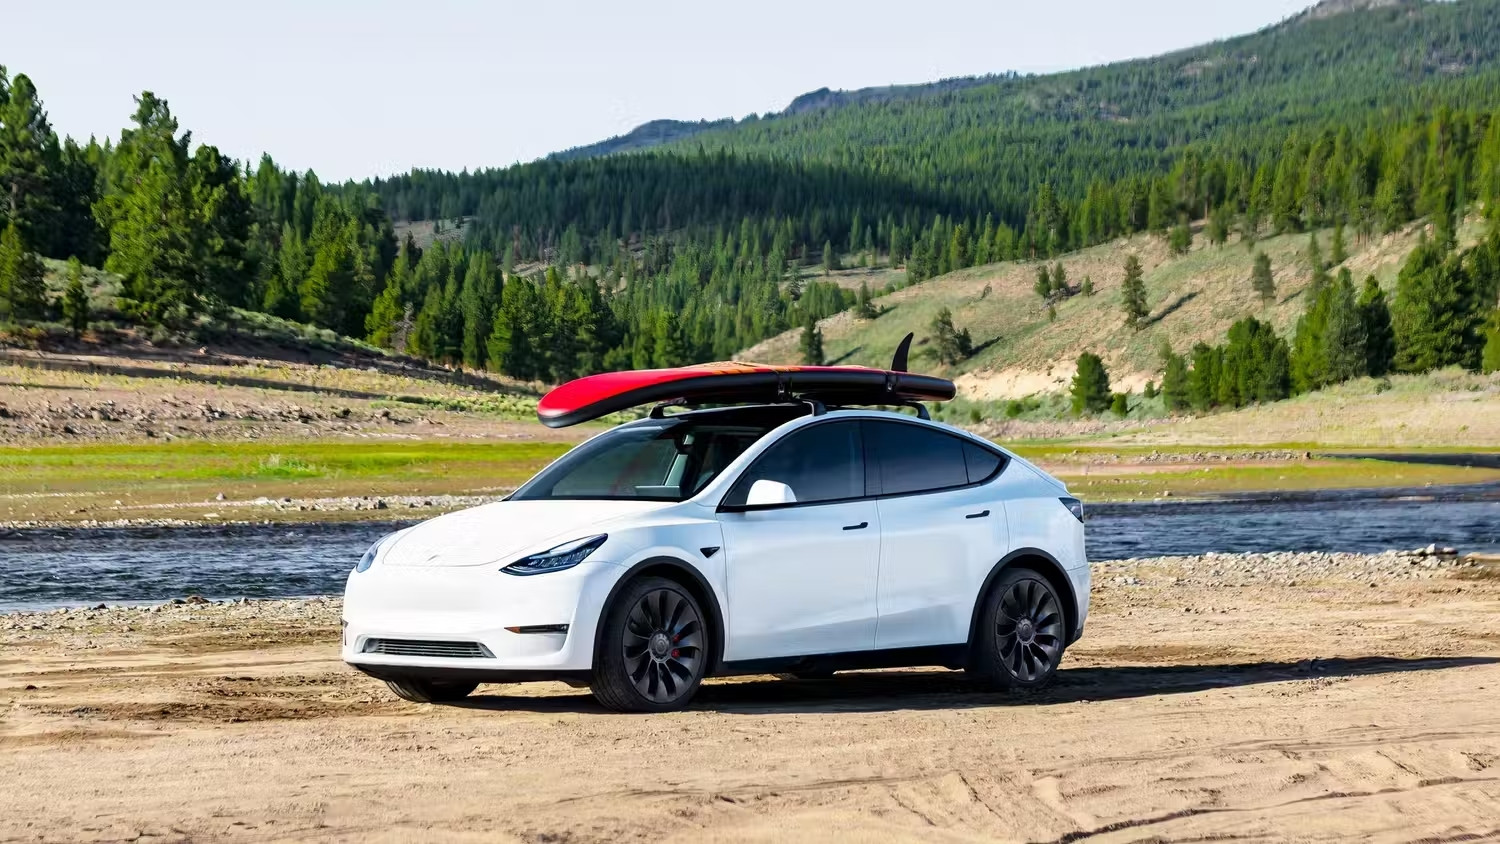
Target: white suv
x,y
776,538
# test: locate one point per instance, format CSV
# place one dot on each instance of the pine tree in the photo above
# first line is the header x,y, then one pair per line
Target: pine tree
x,y
477,306
1320,277
75,300
1344,336
830,258
950,344
1133,294
1181,239
509,346
382,323
1218,226
812,343
1043,285
22,277
1087,287
1059,280
1490,360
1203,379
1380,339
1434,319
1149,391
1337,251
154,234
1119,404
864,304
282,296
1174,384
1261,278
1090,387
1309,345
222,215
1254,365
30,162
326,293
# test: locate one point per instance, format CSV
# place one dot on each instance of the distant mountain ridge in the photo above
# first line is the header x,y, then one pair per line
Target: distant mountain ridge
x,y
644,136
657,133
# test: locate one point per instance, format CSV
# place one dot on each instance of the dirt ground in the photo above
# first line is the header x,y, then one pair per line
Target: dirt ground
x,y
1201,705
135,395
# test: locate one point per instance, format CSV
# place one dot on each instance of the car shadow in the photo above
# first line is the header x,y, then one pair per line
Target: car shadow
x,y
879,691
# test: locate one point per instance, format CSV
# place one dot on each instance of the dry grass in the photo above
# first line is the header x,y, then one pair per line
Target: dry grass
x,y
1193,297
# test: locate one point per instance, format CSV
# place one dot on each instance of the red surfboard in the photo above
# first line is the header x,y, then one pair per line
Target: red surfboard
x,y
710,383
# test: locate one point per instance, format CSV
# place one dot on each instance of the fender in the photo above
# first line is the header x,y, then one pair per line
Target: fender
x,y
707,597
1058,575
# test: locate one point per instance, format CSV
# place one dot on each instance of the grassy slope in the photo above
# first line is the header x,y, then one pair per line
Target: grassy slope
x,y
1193,297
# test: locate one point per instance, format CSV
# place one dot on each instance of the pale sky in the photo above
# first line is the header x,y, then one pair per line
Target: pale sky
x,y
356,88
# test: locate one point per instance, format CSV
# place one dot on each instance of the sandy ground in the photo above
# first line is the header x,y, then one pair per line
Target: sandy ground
x,y
1205,702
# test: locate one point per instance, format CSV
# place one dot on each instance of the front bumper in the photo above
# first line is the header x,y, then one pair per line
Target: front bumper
x,y
475,604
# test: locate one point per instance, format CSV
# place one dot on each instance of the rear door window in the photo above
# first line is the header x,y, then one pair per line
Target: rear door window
x,y
912,458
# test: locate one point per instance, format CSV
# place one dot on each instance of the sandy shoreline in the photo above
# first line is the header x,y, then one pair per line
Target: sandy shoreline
x,y
1210,697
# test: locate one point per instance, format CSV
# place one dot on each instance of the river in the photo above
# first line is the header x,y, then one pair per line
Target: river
x,y
47,568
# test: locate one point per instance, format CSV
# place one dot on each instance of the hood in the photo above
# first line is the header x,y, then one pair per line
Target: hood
x,y
504,531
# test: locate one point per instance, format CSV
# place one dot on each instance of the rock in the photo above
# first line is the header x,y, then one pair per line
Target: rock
x,y
219,497
380,504
196,599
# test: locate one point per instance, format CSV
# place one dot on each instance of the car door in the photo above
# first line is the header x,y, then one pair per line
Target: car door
x,y
802,574
941,531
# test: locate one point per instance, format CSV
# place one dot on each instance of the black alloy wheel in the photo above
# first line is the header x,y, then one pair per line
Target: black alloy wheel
x,y
655,649
1023,634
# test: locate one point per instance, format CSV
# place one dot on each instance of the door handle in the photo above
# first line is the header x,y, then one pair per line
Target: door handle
x,y
981,514
860,526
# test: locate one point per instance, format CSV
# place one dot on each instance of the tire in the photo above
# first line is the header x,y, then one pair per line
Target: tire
x,y
654,650
1022,633
418,690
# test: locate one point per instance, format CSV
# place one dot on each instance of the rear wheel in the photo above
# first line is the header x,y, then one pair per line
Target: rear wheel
x,y
654,650
418,690
1022,632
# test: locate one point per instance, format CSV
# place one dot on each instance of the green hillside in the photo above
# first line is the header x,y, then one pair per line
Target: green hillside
x,y
989,142
995,139
1369,115
1020,352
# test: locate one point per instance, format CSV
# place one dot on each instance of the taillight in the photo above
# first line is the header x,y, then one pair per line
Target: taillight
x,y
1074,506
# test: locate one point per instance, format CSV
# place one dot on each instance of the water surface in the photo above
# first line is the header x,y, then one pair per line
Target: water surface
x,y
41,569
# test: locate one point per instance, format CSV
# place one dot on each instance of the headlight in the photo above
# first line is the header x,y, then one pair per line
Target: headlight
x,y
564,556
369,558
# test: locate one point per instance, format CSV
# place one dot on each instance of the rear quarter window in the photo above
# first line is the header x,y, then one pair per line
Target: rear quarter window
x,y
981,463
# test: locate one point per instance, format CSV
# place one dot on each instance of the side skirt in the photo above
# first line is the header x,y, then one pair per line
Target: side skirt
x,y
947,656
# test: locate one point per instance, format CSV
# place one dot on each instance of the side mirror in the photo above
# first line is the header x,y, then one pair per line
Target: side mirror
x,y
765,492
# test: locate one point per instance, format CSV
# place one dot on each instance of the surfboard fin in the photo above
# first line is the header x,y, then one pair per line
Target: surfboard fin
x,y
898,363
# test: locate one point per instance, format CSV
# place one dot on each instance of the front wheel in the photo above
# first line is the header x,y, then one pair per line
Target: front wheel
x,y
1021,635
418,690
654,651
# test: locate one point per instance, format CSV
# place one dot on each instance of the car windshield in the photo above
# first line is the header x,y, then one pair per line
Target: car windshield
x,y
661,460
